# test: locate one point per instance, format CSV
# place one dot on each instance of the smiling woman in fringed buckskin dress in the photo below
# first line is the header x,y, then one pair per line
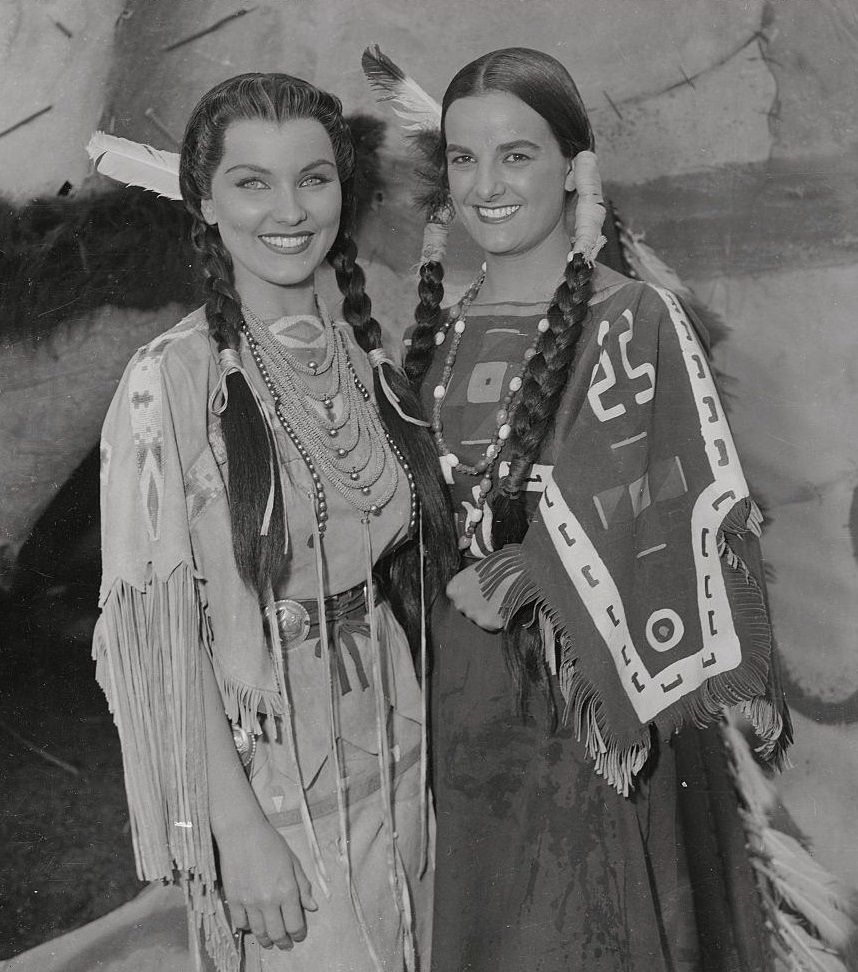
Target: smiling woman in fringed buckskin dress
x,y
259,462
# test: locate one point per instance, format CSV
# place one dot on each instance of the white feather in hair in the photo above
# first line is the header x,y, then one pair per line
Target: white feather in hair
x,y
135,164
419,111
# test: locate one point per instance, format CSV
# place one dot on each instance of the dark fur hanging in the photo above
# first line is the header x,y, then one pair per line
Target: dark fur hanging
x,y
368,137
63,257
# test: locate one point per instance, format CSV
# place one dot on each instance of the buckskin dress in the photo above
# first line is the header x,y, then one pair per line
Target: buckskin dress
x,y
541,865
170,592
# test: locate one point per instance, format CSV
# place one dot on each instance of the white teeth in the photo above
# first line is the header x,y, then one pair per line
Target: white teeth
x,y
287,242
497,212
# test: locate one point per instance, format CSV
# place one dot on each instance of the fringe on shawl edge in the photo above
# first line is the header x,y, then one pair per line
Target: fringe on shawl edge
x,y
147,649
619,758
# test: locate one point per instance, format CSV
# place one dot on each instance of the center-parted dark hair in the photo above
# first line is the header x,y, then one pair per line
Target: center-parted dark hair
x,y
281,98
542,83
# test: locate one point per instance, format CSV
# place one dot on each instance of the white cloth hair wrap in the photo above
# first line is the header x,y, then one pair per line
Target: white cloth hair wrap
x,y
377,358
230,363
590,208
434,243
435,233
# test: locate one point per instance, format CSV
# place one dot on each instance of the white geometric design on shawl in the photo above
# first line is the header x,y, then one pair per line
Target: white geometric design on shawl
x,y
648,694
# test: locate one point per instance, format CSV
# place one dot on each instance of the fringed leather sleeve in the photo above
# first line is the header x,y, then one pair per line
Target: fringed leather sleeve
x,y
147,652
149,644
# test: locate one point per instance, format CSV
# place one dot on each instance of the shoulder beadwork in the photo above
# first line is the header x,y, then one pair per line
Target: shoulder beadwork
x,y
145,403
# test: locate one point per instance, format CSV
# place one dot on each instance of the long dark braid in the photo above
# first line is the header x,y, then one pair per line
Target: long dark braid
x,y
544,382
414,442
246,437
532,420
430,285
428,316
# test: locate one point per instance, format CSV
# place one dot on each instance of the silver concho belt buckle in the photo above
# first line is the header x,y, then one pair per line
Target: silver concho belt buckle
x,y
245,745
293,622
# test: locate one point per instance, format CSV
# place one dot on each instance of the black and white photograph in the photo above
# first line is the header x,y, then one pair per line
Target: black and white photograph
x,y
429,486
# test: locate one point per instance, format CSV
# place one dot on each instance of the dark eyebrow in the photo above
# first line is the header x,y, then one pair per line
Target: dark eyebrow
x,y
317,163
263,171
248,165
506,147
519,143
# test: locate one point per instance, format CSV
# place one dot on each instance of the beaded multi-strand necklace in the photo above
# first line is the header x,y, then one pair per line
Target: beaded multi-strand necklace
x,y
353,450
485,465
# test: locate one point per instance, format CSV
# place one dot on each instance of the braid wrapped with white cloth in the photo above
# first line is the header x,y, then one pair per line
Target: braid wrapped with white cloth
x,y
589,208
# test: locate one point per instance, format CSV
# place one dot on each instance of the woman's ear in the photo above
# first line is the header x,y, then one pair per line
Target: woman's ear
x,y
569,182
207,208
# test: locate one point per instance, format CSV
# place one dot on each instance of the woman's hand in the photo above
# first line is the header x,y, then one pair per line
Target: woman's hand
x,y
464,591
263,881
265,885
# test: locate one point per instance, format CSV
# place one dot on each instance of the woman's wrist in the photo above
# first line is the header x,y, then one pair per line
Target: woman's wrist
x,y
233,806
229,827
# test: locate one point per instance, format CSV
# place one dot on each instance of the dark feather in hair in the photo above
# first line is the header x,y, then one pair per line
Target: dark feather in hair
x,y
429,145
430,172
390,84
381,72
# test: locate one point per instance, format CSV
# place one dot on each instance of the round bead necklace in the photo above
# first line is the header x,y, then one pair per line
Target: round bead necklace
x,y
313,443
484,467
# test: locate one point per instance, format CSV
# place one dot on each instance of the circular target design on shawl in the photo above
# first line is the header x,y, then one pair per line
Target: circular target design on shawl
x,y
664,629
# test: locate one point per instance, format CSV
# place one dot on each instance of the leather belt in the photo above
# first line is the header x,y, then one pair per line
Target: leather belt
x,y
298,619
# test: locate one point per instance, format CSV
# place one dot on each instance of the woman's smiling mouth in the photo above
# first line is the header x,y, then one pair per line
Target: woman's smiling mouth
x,y
295,243
496,214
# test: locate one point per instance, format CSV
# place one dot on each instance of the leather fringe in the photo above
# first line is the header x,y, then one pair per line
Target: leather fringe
x,y
147,649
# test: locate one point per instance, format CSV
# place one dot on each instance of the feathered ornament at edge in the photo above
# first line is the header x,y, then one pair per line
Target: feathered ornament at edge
x,y
135,164
645,263
811,915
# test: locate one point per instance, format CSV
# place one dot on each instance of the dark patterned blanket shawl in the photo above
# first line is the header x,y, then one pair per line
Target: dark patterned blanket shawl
x,y
643,560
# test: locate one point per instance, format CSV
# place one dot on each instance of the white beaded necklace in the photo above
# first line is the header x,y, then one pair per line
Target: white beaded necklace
x,y
485,465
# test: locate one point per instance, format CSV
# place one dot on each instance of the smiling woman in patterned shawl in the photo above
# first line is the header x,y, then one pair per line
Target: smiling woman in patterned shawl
x,y
610,583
